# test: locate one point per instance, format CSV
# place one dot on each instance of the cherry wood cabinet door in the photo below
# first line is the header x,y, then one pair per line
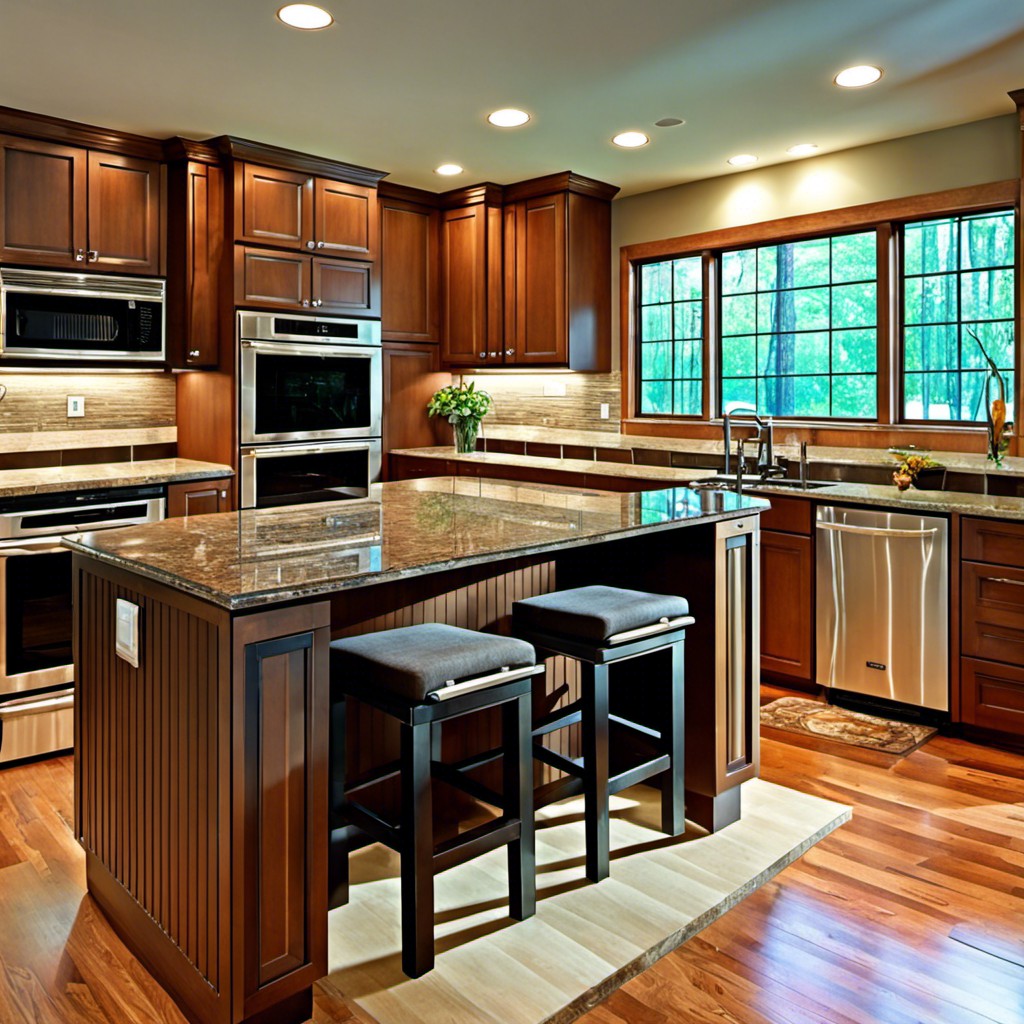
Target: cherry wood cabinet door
x,y
198,497
345,220
466,337
346,286
787,619
992,695
271,280
43,217
409,255
411,375
277,208
124,214
536,330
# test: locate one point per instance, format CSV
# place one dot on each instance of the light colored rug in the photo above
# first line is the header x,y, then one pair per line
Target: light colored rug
x,y
585,939
812,718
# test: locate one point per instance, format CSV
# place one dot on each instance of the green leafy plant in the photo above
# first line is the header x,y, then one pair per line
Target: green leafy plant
x,y
910,464
460,401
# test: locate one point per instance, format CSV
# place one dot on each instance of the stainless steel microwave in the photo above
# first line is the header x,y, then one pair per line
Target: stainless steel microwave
x,y
62,316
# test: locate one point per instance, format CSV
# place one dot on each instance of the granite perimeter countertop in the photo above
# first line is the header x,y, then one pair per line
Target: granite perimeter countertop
x,y
16,483
256,557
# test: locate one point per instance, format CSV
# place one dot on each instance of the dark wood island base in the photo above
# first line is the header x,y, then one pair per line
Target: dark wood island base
x,y
202,774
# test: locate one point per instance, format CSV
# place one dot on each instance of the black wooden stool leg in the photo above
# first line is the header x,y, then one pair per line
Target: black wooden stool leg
x,y
517,769
416,842
594,721
337,857
673,780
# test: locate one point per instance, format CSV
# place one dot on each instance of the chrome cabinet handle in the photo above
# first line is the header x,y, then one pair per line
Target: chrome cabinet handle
x,y
319,245
494,355
483,355
318,302
79,255
193,353
305,303
510,351
1002,579
311,244
93,255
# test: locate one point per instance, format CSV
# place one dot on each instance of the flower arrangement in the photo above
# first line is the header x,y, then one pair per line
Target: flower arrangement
x,y
910,464
464,407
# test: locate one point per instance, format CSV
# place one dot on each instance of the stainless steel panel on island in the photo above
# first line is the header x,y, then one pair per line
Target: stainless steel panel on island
x,y
201,777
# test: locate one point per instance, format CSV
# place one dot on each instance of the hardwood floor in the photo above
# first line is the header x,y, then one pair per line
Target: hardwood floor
x,y
913,913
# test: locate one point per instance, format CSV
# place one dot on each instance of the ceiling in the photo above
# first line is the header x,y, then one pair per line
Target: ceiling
x,y
403,86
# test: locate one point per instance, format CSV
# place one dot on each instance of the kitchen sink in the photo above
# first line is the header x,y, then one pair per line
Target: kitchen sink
x,y
753,483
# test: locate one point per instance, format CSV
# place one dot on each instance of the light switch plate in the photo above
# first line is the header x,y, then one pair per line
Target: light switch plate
x,y
126,640
604,410
76,405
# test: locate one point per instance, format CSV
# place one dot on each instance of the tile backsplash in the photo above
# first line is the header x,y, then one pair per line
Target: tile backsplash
x,y
569,401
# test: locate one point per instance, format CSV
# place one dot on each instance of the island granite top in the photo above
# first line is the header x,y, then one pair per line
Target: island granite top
x,y
252,558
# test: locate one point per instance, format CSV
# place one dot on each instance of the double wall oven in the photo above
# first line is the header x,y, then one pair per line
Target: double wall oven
x,y
36,670
310,408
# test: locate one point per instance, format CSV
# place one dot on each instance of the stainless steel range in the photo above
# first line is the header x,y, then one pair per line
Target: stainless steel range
x,y
310,408
36,670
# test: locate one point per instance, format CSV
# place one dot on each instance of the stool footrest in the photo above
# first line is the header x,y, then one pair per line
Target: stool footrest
x,y
560,718
574,766
373,777
460,780
643,730
639,773
475,842
557,789
372,824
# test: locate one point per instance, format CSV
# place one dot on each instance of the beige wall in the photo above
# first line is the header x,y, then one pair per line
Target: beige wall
x,y
970,154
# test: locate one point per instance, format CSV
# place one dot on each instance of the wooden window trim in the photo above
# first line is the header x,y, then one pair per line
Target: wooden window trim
x,y
878,216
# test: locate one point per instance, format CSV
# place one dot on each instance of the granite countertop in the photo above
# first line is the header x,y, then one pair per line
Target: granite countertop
x,y
18,482
256,557
964,462
625,471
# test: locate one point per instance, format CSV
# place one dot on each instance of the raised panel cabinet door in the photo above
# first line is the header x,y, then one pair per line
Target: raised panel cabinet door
x,y
43,217
992,695
345,220
464,273
346,286
787,619
540,281
410,240
277,208
271,280
124,214
410,376
197,497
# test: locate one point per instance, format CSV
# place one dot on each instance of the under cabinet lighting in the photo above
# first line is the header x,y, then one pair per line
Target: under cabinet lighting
x,y
802,149
742,160
858,76
508,117
307,17
631,140
448,169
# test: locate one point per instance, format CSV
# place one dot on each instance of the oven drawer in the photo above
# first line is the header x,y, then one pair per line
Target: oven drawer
x,y
40,723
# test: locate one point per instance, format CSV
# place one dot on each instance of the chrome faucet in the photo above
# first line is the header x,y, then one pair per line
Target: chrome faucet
x,y
766,466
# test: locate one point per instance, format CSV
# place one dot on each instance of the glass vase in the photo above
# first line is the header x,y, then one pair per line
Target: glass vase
x,y
995,415
466,429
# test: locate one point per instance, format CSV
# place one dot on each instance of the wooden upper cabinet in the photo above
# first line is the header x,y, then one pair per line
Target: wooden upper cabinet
x,y
410,242
43,219
271,280
124,214
345,221
277,208
471,290
78,209
345,286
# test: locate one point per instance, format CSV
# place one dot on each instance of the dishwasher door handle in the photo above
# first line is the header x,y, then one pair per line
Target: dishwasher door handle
x,y
876,531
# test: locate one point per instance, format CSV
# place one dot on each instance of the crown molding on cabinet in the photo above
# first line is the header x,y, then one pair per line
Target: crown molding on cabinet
x,y
408,194
56,129
564,181
178,148
289,160
486,192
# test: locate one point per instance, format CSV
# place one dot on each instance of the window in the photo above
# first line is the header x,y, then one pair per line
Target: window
x,y
670,334
958,283
799,327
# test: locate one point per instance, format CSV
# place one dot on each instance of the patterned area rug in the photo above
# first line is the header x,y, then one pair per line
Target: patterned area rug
x,y
812,718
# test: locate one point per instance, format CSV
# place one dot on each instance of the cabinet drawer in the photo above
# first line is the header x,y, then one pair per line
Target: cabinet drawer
x,y
992,540
992,695
789,515
992,617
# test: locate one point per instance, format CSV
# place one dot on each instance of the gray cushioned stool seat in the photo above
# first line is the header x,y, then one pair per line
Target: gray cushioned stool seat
x,y
595,613
413,661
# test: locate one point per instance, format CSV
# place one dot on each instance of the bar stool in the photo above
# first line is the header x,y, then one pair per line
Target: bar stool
x,y
420,676
600,626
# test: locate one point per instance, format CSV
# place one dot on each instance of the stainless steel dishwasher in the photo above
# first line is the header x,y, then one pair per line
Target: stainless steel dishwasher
x,y
882,605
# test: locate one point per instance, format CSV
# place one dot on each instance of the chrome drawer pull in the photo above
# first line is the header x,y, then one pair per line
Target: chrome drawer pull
x,y
1002,579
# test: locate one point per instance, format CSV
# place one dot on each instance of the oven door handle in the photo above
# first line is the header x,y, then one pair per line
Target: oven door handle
x,y
327,351
304,449
56,701
24,546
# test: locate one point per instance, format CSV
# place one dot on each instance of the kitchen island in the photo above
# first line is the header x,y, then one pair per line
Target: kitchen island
x,y
202,748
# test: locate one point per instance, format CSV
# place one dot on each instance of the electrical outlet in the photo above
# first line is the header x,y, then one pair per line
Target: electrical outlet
x,y
76,405
604,410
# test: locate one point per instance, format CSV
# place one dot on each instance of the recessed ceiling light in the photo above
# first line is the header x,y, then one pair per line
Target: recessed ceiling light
x,y
305,16
859,76
669,122
508,117
631,140
742,160
802,149
448,169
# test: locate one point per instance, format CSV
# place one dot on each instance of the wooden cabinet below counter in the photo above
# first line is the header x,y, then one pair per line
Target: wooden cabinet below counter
x,y
199,497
